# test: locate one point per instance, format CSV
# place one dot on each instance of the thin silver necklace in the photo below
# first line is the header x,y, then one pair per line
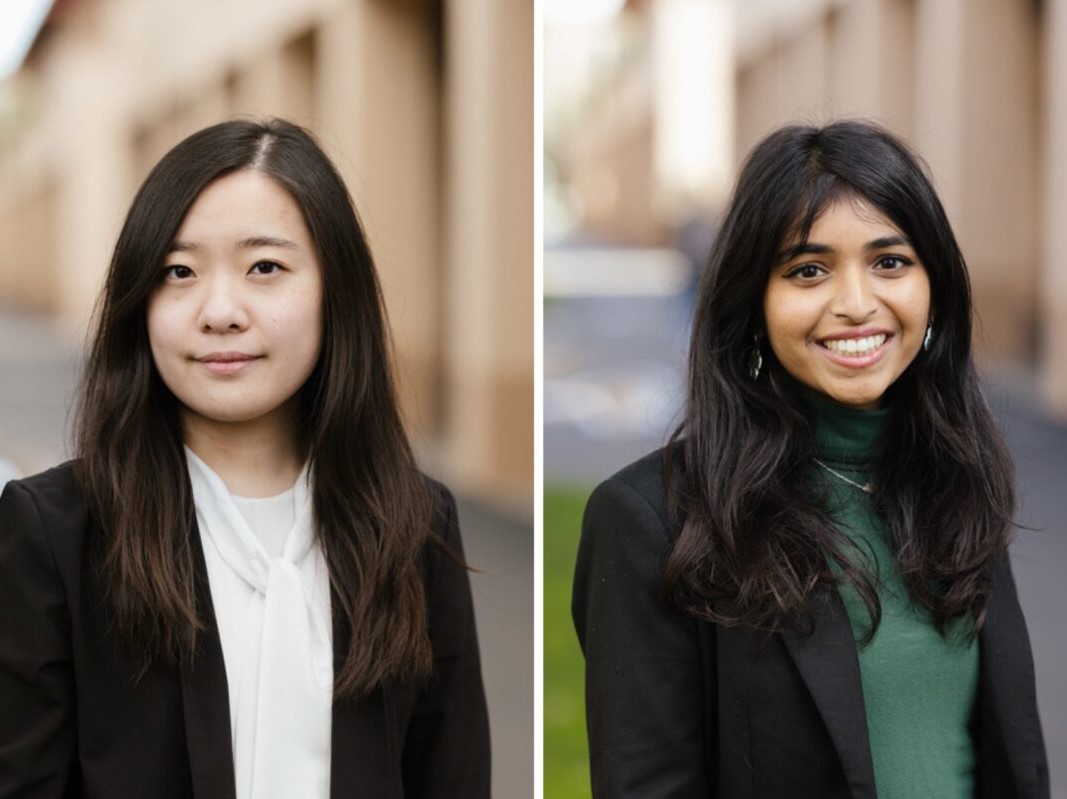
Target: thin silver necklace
x,y
867,488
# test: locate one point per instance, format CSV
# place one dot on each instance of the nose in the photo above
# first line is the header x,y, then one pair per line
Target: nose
x,y
222,306
854,297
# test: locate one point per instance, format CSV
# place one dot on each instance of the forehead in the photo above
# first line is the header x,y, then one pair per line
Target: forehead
x,y
241,204
844,216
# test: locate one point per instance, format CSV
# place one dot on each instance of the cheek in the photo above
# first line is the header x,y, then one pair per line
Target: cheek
x,y
299,324
922,301
788,318
311,339
163,329
913,305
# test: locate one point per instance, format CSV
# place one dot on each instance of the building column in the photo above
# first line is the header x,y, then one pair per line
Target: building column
x,y
976,124
872,60
1053,283
97,185
377,83
489,207
693,102
783,80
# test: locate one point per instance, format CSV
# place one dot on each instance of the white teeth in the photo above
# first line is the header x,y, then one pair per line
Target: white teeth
x,y
855,346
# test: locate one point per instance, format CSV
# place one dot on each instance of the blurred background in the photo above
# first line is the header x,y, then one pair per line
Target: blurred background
x,y
426,107
649,107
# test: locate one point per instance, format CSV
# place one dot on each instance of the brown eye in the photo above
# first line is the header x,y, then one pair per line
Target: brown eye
x,y
893,263
805,272
177,271
265,268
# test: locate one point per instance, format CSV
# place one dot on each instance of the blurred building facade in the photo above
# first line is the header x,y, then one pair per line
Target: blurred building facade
x,y
685,88
426,107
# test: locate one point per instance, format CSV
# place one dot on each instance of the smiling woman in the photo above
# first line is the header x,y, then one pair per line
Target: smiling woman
x,y
847,310
243,586
807,592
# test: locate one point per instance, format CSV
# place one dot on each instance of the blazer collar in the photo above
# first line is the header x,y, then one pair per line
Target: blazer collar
x,y
829,666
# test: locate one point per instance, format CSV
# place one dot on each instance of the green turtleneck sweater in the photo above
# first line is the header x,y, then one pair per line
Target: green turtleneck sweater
x,y
918,688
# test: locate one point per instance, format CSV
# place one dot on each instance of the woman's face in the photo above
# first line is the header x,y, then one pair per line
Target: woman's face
x,y
846,311
235,325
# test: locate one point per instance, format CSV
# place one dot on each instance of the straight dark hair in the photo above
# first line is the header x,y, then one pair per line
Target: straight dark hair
x,y
755,541
371,505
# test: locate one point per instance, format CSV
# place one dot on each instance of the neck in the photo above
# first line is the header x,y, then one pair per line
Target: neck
x,y
845,434
257,458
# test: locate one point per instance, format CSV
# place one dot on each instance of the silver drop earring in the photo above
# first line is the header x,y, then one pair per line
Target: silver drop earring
x,y
755,359
928,337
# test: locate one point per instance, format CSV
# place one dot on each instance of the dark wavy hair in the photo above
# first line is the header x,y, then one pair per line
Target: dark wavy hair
x,y
755,542
371,505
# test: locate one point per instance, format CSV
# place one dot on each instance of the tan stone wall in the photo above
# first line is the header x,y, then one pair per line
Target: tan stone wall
x,y
977,125
489,241
1052,288
30,277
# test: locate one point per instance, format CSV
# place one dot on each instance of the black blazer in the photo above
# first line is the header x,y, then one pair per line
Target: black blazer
x,y
680,708
74,723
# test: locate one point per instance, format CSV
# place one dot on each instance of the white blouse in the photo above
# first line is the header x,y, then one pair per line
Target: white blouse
x,y
270,591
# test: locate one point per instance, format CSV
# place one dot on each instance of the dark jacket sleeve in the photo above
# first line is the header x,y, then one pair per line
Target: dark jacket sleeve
x,y
1011,750
643,679
36,676
446,748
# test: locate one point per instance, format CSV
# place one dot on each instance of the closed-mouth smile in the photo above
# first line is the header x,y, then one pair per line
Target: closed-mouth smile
x,y
225,363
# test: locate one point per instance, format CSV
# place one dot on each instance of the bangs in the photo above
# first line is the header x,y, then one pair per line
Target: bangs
x,y
814,198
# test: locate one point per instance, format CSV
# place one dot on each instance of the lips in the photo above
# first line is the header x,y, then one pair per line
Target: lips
x,y
225,363
855,349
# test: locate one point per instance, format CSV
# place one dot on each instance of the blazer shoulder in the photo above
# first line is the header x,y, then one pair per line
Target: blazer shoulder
x,y
640,486
442,510
438,491
58,482
51,505
56,494
443,551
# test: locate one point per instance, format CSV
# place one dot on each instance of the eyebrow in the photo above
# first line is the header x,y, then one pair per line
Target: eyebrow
x,y
811,248
252,242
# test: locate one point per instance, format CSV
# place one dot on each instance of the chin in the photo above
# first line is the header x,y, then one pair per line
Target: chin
x,y
865,397
862,401
228,414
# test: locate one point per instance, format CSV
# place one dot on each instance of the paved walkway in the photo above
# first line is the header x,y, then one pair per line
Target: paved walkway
x,y
38,373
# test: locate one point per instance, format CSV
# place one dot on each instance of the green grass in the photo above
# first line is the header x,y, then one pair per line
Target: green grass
x,y
566,774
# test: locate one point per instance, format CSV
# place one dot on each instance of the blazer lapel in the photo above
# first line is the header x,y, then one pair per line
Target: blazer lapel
x,y
361,763
362,739
205,698
828,664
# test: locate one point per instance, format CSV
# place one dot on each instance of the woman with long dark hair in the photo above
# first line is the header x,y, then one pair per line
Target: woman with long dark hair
x,y
807,593
242,585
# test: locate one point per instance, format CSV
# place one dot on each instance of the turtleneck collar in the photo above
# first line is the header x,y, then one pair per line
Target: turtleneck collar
x,y
844,434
